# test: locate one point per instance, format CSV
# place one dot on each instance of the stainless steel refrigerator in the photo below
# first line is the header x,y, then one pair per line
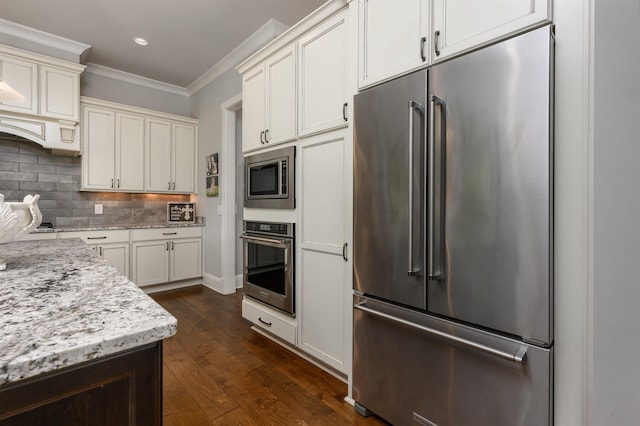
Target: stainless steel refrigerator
x,y
453,240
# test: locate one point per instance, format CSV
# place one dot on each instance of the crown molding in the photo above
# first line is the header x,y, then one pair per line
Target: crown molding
x,y
41,38
126,77
265,34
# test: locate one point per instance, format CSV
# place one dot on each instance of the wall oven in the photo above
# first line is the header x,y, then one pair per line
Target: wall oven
x,y
269,178
268,264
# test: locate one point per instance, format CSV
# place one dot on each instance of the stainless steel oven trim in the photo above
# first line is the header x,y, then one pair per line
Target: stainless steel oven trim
x,y
284,302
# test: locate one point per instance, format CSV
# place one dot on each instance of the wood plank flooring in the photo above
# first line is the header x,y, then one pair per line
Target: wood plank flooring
x,y
217,371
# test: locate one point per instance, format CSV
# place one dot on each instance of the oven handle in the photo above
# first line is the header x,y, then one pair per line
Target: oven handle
x,y
271,241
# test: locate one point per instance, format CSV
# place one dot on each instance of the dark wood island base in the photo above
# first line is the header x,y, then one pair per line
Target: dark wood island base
x,y
121,389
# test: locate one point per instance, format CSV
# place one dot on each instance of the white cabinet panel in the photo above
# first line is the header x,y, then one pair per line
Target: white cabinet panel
x,y
281,97
462,25
185,259
184,157
129,152
269,101
253,108
170,159
150,262
325,282
117,254
59,93
158,155
98,150
393,38
323,76
113,150
23,77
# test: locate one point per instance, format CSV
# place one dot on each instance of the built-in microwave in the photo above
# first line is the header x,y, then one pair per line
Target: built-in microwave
x,y
268,179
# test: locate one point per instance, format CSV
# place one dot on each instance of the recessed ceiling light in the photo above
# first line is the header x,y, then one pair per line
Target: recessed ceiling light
x,y
140,41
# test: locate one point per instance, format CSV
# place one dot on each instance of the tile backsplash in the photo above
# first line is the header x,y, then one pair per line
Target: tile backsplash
x,y
27,168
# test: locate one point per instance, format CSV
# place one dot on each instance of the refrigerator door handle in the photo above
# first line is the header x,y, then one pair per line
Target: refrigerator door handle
x,y
434,258
413,106
518,358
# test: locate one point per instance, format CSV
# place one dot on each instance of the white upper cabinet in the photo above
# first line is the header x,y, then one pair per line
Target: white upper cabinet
x,y
170,156
184,157
254,100
23,77
269,101
59,93
461,25
393,38
113,149
322,92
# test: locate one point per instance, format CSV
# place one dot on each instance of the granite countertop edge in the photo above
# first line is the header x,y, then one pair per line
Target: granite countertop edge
x,y
114,227
62,305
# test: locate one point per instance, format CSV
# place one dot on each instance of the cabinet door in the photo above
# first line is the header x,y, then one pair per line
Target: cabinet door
x,y
23,77
117,254
129,152
158,155
184,158
186,259
325,284
281,97
253,108
98,149
323,70
466,24
393,38
59,93
150,262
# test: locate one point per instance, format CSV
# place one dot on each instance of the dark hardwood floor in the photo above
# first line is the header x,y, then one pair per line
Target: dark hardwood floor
x,y
218,371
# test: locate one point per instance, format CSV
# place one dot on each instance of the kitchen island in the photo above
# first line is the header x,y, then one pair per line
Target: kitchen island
x,y
78,341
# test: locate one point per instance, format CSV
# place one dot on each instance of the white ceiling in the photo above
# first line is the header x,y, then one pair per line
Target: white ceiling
x,y
186,37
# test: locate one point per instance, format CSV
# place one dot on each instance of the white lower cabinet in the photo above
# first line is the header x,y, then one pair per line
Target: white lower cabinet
x,y
162,255
112,245
269,320
325,268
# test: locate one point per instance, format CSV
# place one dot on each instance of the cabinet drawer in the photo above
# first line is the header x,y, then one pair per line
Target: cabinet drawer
x,y
269,320
99,237
165,233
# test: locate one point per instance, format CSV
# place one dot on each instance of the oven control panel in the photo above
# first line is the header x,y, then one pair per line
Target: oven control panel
x,y
269,228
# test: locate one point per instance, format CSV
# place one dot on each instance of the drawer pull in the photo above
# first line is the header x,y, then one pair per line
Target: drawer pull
x,y
169,233
96,238
268,324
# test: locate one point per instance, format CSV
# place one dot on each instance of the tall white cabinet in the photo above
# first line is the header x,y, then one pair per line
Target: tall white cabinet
x,y
324,237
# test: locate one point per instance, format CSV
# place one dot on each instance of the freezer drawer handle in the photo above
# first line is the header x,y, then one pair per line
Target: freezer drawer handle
x,y
518,358
413,106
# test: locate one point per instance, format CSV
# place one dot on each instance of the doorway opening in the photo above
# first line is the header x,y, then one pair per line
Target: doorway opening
x,y
232,164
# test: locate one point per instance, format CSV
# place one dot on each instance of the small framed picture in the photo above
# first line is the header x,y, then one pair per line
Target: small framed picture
x,y
181,212
212,186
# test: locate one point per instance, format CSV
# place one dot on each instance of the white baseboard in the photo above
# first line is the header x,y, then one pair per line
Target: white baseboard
x,y
171,286
215,283
239,281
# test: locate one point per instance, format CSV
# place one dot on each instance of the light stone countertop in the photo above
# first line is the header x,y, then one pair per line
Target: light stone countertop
x,y
61,304
114,227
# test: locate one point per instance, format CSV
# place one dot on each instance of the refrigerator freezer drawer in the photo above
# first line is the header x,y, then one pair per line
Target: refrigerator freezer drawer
x,y
411,368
